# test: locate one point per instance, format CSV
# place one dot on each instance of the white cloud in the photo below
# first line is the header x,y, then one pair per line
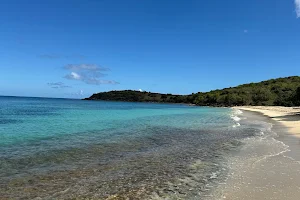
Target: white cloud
x,y
73,76
87,73
81,92
58,85
297,4
76,94
87,67
141,90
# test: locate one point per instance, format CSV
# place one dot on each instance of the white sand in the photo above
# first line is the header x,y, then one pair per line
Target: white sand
x,y
281,114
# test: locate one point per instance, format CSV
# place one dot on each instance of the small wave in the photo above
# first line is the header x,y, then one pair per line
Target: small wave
x,y
236,125
285,149
261,133
214,175
235,114
238,112
235,118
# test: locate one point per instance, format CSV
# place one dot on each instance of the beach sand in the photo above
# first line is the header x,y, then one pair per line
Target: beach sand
x,y
287,116
274,175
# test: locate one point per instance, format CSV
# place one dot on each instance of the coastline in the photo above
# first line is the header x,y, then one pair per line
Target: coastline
x,y
268,168
287,116
241,155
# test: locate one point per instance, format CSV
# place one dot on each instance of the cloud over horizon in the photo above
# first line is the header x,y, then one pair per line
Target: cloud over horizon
x,y
87,73
58,85
297,4
79,93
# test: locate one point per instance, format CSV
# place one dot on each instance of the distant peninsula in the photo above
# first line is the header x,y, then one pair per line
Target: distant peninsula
x,y
274,92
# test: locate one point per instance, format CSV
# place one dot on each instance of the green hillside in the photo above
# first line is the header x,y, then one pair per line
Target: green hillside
x,y
278,92
137,96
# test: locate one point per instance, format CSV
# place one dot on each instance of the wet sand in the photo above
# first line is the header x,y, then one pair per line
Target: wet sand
x,y
288,125
287,116
271,175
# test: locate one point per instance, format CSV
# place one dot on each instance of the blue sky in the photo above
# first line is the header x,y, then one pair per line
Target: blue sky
x,y
78,47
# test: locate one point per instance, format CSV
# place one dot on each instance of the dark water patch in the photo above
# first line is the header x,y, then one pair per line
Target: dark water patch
x,y
166,162
9,121
37,111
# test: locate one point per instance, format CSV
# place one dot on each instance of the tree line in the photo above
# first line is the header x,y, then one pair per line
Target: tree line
x,y
274,92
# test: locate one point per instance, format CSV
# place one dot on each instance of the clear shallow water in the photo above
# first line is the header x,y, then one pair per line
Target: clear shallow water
x,y
261,169
59,148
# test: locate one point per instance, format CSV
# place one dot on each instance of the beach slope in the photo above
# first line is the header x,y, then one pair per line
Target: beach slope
x,y
268,174
287,116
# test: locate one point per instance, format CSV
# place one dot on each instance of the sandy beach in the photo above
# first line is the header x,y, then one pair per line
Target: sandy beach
x,y
267,174
287,116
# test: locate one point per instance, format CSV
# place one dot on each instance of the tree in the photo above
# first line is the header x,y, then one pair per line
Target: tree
x,y
296,98
279,92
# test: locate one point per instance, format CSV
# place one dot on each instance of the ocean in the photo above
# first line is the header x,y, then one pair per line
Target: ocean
x,y
67,149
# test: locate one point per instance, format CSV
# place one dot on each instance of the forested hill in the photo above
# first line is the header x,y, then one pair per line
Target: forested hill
x,y
278,92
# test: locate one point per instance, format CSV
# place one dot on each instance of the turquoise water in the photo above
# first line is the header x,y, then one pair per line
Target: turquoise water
x,y
31,119
62,148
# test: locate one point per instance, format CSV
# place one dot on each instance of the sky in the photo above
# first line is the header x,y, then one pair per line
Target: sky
x,y
74,48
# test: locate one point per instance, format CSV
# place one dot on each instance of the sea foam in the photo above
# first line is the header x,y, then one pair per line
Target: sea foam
x,y
235,117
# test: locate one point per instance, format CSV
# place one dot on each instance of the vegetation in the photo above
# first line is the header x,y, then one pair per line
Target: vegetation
x,y
278,92
137,96
296,97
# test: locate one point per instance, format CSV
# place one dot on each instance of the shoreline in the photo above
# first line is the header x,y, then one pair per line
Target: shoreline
x,y
273,169
287,116
286,121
